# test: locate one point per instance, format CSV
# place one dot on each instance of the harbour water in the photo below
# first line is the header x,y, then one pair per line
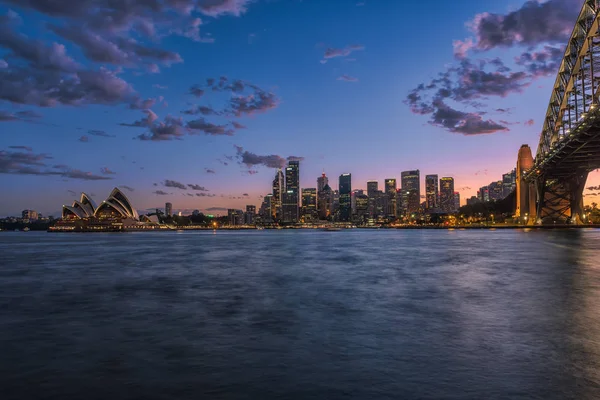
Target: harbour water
x,y
388,314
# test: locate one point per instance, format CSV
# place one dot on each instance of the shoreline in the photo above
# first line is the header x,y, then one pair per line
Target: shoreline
x,y
325,229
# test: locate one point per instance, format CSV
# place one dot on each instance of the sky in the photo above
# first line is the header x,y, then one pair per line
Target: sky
x,y
197,102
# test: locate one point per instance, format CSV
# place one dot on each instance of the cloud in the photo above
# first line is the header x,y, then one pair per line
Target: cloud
x,y
95,132
107,171
26,115
209,171
216,209
332,52
96,40
127,188
591,188
72,192
216,8
534,23
174,184
295,158
21,148
251,159
237,125
208,128
157,86
203,110
465,84
160,193
246,98
545,62
529,122
172,128
84,139
28,163
347,78
144,122
197,187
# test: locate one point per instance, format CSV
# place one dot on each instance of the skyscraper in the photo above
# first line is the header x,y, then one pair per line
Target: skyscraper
x,y
411,191
292,192
345,201
432,192
323,196
321,182
277,200
250,214
372,188
168,209
362,207
447,194
309,203
456,201
509,182
390,191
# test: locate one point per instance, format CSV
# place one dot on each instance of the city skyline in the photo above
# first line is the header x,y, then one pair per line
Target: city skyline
x,y
197,104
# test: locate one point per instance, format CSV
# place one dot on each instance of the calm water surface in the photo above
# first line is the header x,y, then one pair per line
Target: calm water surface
x,y
301,315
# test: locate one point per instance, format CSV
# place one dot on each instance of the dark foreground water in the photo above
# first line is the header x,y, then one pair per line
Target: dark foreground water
x,y
301,315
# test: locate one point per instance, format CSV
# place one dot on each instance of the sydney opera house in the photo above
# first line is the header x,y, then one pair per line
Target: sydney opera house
x,y
114,214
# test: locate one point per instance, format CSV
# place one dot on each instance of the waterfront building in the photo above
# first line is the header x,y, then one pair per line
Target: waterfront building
x,y
509,183
291,195
447,194
411,192
235,217
361,207
265,209
372,189
309,204
432,194
277,199
116,205
325,200
456,201
484,194
250,214
473,200
30,215
390,191
335,204
344,193
168,209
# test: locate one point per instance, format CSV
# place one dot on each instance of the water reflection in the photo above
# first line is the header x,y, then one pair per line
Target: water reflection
x,y
295,314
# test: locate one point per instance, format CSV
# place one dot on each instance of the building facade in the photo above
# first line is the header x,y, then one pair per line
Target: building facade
x,y
447,194
277,199
390,192
168,209
345,200
309,204
291,196
432,193
411,192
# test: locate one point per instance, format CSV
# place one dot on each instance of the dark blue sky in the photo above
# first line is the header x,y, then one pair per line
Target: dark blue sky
x,y
220,92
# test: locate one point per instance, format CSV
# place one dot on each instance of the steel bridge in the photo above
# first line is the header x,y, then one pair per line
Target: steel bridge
x,y
550,187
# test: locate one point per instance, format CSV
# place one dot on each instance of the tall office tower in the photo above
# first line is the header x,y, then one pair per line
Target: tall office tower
x,y
432,192
325,200
292,192
277,200
484,193
411,191
345,201
250,214
390,191
372,188
509,182
353,195
168,209
447,194
236,217
335,203
322,181
362,208
456,201
323,196
495,189
309,204
265,209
